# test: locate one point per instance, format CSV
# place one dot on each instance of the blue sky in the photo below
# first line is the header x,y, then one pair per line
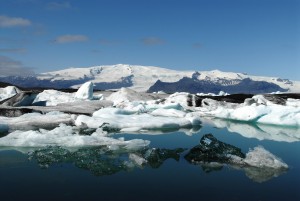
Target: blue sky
x,y
259,37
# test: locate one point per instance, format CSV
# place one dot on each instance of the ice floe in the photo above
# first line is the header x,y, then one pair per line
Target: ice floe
x,y
129,121
54,97
34,121
8,92
125,96
259,164
85,91
259,110
67,136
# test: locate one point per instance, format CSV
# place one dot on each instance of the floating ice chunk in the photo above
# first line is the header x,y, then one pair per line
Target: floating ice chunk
x,y
53,97
260,157
12,90
8,92
179,97
211,105
125,95
268,113
175,106
221,93
260,99
85,91
282,115
293,102
168,113
35,120
126,120
66,136
248,113
98,97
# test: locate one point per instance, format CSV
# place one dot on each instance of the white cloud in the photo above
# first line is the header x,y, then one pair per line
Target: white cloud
x,y
6,22
9,67
152,41
71,38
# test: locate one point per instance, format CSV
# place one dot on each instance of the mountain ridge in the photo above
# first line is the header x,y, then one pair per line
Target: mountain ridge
x,y
139,78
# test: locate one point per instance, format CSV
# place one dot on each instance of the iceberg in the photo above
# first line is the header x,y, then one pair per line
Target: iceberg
x,y
85,91
34,121
54,97
8,92
125,95
128,121
67,136
212,150
259,164
257,110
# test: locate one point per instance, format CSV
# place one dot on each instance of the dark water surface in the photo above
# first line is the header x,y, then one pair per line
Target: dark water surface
x,y
93,174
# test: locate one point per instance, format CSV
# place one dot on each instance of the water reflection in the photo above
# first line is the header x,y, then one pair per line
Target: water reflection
x,y
256,174
103,161
259,131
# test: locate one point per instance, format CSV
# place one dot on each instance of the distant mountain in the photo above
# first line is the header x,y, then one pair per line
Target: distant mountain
x,y
141,78
204,86
4,84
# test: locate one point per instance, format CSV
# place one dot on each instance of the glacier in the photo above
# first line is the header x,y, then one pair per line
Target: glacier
x,y
141,78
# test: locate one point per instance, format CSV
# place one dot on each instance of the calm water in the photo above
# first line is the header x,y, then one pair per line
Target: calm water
x,y
95,174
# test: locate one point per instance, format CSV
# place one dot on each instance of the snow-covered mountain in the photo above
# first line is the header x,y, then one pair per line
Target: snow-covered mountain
x,y
139,78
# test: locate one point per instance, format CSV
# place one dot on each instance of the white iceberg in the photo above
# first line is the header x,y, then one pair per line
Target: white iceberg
x,y
168,113
124,96
8,92
261,111
67,136
34,120
54,97
85,91
129,121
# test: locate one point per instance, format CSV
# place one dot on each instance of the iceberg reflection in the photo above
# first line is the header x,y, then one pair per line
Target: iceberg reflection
x,y
102,160
211,155
259,131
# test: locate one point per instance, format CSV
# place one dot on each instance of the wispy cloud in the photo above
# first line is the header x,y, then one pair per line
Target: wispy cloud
x,y
7,22
71,38
13,50
9,67
58,5
152,41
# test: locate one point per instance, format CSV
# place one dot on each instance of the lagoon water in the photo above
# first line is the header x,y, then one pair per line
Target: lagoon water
x,y
95,174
